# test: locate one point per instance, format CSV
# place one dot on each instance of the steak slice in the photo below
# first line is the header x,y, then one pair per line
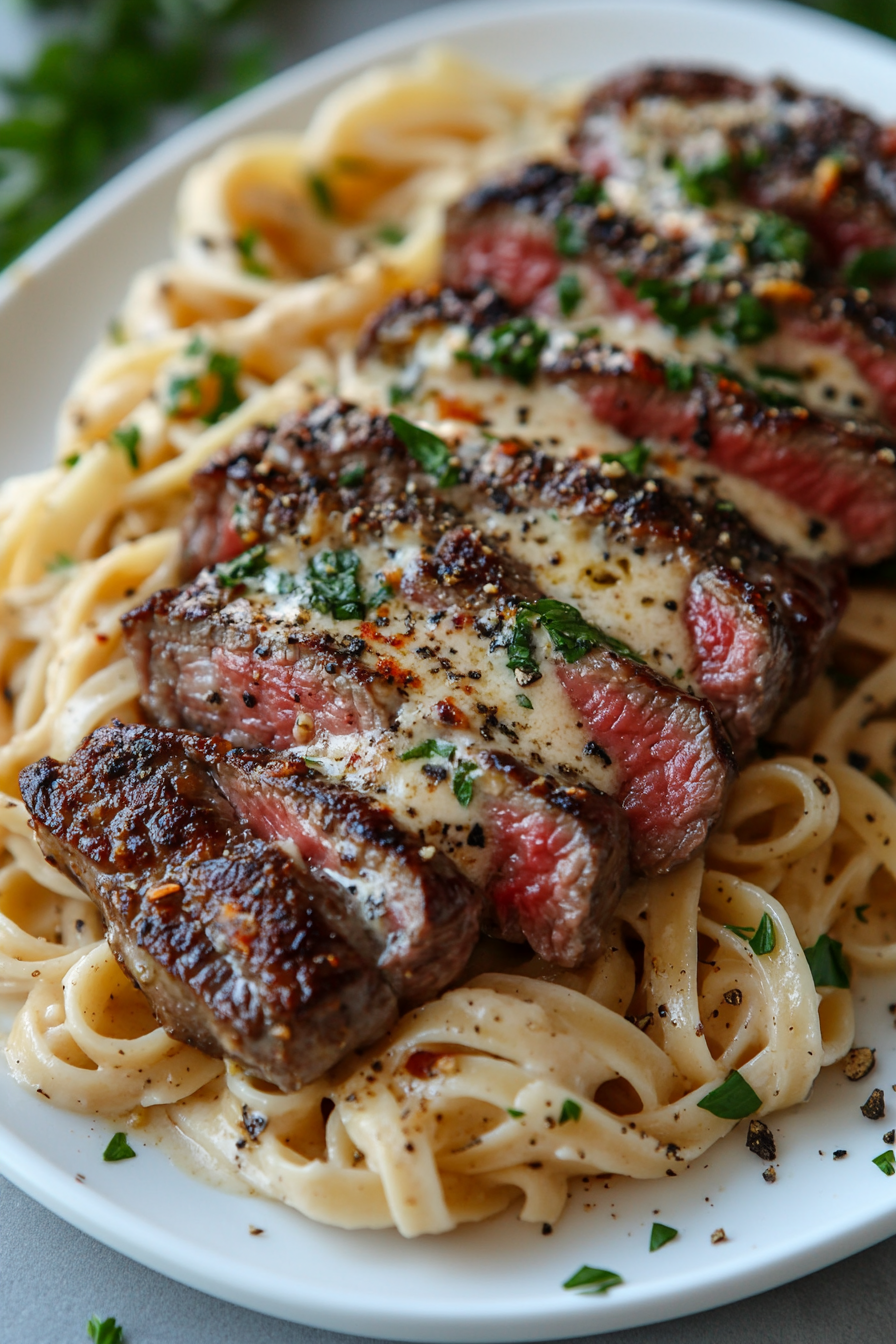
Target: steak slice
x,y
521,234
217,927
448,640
417,918
772,145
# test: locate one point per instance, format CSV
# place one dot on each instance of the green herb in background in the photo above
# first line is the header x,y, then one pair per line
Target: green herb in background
x,y
94,90
104,1332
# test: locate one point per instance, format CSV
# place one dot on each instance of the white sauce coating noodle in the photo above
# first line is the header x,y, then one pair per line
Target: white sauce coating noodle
x,y
284,246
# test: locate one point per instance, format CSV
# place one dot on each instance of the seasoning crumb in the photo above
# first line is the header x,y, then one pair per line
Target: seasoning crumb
x,y
770,1175
890,1136
81,1179
546,1229
858,1063
255,1231
733,996
717,1236
874,1108
761,1141
839,1153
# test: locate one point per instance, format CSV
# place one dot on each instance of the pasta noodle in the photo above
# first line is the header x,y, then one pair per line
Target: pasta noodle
x,y
460,1110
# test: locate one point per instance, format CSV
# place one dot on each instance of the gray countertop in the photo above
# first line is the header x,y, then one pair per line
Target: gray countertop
x,y
54,1277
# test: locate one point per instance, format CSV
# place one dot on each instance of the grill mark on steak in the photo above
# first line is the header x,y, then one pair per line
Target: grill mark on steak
x,y
214,924
473,587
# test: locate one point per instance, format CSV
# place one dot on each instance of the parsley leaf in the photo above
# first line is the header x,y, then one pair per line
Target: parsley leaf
x,y
886,1162
778,238
593,1280
731,1100
510,349
242,567
570,1110
569,239
104,1332
226,369
571,635
747,321
392,234
333,580
674,305
352,475
703,184
742,930
515,1114
462,786
569,293
777,371
764,939
633,459
246,244
860,913
883,779
60,563
321,194
679,377
426,750
827,963
127,438
524,701
426,448
184,395
871,267
660,1234
118,1148
589,191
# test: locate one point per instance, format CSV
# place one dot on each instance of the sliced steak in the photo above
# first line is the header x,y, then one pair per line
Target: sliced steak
x,y
744,284
676,576
216,926
450,632
805,155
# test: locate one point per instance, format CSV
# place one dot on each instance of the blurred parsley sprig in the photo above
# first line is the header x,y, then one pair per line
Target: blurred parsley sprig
x,y
94,90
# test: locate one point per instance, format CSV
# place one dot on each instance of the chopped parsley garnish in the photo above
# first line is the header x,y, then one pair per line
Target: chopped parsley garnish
x,y
242,567
118,1148
886,1162
570,1110
747,321
777,238
679,377
184,394
744,931
883,779
634,459
511,349
59,564
382,594
569,293
764,939
197,346
732,1100
589,191
226,369
127,438
392,234
592,1280
105,1332
333,580
860,913
725,505
426,750
660,1234
352,475
462,787
72,460
246,244
827,963
674,304
571,635
704,183
871,267
524,701
515,1114
321,194
569,239
427,449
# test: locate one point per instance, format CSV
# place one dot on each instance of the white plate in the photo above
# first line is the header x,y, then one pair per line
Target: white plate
x,y
499,1280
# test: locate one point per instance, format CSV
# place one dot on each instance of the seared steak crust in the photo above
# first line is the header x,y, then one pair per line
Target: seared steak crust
x,y
214,924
